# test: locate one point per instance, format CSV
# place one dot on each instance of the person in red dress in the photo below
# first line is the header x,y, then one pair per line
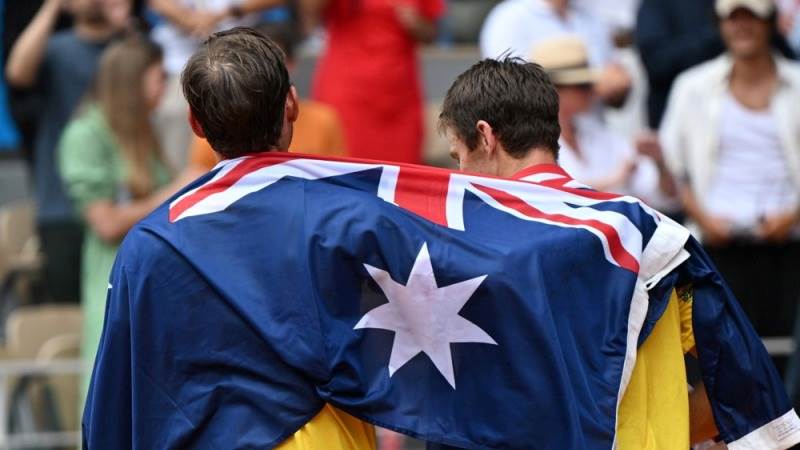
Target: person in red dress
x,y
369,71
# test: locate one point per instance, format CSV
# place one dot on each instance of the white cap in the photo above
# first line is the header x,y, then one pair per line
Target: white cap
x,y
761,8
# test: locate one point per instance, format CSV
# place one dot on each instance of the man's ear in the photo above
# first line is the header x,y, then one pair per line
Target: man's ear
x,y
198,130
486,138
292,110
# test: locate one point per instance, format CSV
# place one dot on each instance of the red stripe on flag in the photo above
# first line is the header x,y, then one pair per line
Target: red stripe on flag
x,y
618,252
423,192
245,167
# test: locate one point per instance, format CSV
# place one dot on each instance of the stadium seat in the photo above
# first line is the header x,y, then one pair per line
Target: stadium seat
x,y
20,258
44,333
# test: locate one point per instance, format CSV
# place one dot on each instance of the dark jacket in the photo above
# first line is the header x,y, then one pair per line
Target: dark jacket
x,y
672,36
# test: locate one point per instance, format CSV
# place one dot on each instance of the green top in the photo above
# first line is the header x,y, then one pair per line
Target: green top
x,y
93,169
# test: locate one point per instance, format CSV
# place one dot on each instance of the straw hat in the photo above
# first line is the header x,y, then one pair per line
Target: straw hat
x,y
761,8
565,59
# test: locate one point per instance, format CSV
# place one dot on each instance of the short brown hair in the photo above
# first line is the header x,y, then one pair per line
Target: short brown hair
x,y
515,97
236,85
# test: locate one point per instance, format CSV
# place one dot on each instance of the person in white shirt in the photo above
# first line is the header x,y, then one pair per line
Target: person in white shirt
x,y
731,136
591,152
616,14
515,27
184,26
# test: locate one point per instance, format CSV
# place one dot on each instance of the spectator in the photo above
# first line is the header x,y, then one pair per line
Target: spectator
x,y
672,36
316,131
515,27
112,166
63,63
590,151
184,26
731,136
24,104
618,15
369,73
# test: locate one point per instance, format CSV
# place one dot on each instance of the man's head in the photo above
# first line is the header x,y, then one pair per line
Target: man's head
x,y
239,93
99,12
746,26
498,113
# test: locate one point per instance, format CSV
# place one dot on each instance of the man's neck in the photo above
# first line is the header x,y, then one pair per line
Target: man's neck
x,y
753,69
511,166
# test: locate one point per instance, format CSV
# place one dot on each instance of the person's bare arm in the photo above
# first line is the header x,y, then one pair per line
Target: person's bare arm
x,y
666,184
701,420
613,85
252,6
418,26
311,13
690,203
778,227
171,10
647,144
207,21
715,230
111,221
27,53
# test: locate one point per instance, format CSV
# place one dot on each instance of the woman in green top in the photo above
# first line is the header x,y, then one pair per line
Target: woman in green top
x,y
113,167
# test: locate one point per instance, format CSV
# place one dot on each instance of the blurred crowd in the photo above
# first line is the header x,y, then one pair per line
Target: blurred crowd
x,y
691,105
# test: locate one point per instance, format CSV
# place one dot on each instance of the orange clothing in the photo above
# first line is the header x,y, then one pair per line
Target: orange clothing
x,y
317,131
201,155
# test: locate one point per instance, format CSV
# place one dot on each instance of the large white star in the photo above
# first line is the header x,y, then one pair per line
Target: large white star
x,y
424,316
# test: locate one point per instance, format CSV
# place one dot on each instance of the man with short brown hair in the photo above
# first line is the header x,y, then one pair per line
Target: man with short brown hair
x,y
221,81
317,130
242,101
510,108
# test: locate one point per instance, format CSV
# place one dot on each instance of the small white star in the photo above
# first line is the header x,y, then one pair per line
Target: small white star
x,y
424,316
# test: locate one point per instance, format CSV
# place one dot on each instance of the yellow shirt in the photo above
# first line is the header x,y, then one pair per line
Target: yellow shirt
x,y
332,429
654,413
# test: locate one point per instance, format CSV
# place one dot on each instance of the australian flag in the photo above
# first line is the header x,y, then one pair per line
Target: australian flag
x,y
472,311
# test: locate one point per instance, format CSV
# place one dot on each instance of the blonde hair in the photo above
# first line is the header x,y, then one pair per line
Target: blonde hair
x,y
118,92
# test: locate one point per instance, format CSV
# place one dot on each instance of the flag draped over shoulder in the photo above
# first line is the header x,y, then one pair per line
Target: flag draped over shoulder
x,y
472,311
